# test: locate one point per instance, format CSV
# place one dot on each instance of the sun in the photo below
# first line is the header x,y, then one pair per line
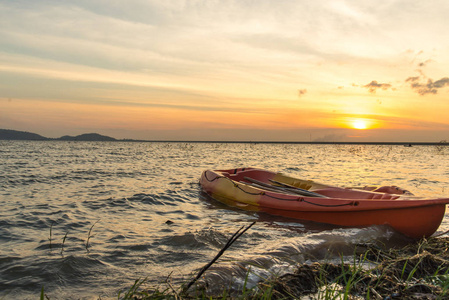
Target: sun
x,y
360,124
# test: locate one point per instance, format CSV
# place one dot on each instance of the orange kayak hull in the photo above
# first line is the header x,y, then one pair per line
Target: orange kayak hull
x,y
412,216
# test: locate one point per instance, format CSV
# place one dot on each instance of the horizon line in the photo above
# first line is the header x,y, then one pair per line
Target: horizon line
x,y
441,143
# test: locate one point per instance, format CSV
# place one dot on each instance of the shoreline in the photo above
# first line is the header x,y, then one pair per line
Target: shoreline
x,y
405,144
416,271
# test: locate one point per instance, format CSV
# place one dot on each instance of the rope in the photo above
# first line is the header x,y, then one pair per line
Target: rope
x,y
211,180
352,203
250,193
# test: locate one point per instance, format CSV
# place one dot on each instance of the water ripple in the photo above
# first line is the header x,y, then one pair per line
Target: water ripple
x,y
85,219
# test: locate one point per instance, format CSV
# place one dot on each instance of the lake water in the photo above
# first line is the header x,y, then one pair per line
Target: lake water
x,y
86,219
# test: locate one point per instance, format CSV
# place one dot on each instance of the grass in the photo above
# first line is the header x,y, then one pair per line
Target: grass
x,y
417,271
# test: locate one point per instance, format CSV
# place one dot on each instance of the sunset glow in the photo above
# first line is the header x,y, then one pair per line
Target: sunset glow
x,y
201,70
360,124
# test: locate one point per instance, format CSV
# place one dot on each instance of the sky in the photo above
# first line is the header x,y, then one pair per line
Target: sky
x,y
231,70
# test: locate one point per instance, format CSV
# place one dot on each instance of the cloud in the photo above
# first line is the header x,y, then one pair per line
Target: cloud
x,y
424,85
301,92
373,86
424,63
441,83
431,87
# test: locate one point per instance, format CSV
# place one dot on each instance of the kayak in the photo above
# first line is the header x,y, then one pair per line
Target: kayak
x,y
277,194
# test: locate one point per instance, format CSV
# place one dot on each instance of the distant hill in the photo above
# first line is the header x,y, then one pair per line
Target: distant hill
x,y
7,134
87,137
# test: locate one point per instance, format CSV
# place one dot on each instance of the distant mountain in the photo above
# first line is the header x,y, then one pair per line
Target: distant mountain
x,y
87,137
7,134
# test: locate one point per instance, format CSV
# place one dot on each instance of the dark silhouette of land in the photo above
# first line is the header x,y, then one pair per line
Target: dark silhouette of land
x,y
7,134
88,137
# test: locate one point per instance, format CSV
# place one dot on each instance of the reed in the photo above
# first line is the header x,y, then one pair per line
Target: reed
x,y
63,241
51,231
441,147
89,235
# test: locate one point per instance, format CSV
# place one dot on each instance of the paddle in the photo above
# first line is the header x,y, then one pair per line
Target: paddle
x,y
306,192
290,189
